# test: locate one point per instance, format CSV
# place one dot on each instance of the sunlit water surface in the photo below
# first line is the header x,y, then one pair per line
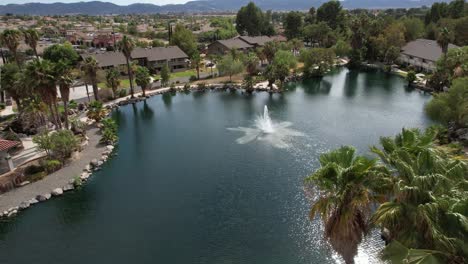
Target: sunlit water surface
x,y
198,180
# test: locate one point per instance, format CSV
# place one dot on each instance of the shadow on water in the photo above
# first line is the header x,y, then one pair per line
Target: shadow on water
x,y
351,83
147,113
316,86
76,207
167,100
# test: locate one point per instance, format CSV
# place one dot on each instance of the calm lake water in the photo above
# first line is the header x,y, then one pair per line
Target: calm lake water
x,y
181,189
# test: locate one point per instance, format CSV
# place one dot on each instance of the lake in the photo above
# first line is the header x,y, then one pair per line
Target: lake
x,y
183,189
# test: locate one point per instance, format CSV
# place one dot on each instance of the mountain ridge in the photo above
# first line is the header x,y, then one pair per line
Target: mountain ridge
x,y
103,8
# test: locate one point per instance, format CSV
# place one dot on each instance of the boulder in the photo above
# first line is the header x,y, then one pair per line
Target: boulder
x,y
24,205
100,163
84,176
94,163
110,148
68,187
87,168
43,197
57,192
33,201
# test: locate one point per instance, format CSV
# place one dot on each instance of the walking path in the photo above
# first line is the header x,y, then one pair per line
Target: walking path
x,y
57,179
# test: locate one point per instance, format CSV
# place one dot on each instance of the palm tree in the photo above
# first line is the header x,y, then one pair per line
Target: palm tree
x,y
443,39
196,61
113,80
11,39
347,187
251,63
424,213
31,37
12,83
41,79
90,68
126,47
64,78
142,78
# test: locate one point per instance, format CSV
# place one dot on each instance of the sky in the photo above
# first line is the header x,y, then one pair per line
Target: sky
x,y
119,2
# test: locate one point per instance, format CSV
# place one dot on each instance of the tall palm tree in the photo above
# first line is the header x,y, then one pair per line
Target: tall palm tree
x,y
41,79
64,77
11,39
113,80
31,37
443,39
142,78
196,61
347,186
251,63
90,68
126,47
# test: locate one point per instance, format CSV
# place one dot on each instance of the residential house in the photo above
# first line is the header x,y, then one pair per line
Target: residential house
x,y
241,43
152,58
422,54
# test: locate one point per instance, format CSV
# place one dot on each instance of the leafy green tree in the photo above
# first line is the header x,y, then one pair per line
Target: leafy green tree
x,y
331,13
456,8
358,40
165,75
451,106
63,144
283,63
317,61
252,21
113,80
414,28
342,48
344,183
43,142
185,40
126,47
411,77
196,61
142,78
269,50
293,25
228,66
13,83
61,52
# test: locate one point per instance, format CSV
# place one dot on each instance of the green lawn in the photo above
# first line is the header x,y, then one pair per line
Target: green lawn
x,y
187,73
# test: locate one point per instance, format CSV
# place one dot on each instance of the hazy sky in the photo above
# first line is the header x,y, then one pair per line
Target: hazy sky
x,y
119,2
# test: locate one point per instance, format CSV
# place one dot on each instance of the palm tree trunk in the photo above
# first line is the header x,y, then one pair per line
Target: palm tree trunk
x,y
130,78
65,108
59,122
52,115
3,56
198,72
143,88
95,91
87,92
35,52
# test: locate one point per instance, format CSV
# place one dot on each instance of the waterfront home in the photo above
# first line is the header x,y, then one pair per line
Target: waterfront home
x,y
422,54
152,58
241,43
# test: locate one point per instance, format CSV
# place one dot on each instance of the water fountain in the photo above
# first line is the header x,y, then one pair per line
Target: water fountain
x,y
264,122
268,131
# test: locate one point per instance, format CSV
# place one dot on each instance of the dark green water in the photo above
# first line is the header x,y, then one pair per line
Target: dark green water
x,y
181,190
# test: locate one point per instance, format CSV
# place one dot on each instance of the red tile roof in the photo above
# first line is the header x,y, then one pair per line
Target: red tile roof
x,y
7,144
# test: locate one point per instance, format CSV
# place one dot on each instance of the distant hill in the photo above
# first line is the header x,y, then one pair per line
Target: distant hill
x,y
102,8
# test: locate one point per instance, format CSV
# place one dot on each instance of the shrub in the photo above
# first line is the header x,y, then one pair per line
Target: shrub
x,y
193,78
172,88
187,86
43,142
63,144
36,176
2,106
96,111
52,165
77,181
201,86
109,131
72,104
122,93
33,169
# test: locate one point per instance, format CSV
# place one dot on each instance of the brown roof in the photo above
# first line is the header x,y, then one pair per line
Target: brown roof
x,y
424,49
234,43
112,58
259,40
7,144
